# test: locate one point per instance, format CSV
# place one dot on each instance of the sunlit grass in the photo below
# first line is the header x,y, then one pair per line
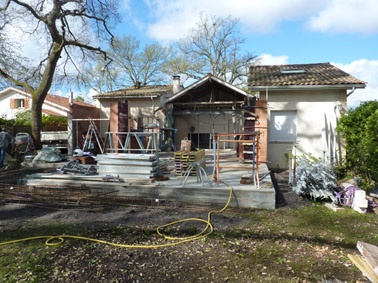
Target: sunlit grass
x,y
286,245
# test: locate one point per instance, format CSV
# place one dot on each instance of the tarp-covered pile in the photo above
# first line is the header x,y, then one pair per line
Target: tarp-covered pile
x,y
49,154
315,179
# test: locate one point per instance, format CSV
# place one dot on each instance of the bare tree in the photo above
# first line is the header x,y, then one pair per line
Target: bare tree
x,y
214,47
65,31
134,64
10,58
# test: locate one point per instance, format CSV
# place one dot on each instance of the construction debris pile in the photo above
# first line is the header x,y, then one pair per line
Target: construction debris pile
x,y
317,180
74,166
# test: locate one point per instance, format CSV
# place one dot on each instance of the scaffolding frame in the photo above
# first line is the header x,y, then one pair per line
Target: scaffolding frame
x,y
252,139
121,142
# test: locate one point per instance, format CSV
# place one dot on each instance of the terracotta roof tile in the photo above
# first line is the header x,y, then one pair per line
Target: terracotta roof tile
x,y
155,90
63,101
300,75
51,113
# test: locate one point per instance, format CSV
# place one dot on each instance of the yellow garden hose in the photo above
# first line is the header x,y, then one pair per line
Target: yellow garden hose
x,y
59,239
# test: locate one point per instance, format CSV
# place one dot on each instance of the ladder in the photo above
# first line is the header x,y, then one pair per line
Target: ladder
x,y
93,136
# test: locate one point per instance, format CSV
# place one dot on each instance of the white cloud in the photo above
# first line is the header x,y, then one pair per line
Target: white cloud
x,y
345,16
30,47
268,59
173,19
364,70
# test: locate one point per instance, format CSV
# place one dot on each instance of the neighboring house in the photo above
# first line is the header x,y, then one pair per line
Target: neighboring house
x,y
304,104
14,100
196,112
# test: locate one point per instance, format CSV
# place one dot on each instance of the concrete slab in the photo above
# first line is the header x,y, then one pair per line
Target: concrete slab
x,y
258,194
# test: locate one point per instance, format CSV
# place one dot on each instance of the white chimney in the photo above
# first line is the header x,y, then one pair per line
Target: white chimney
x,y
176,84
70,98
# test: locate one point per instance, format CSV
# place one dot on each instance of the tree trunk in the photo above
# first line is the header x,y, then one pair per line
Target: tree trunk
x,y
39,94
36,115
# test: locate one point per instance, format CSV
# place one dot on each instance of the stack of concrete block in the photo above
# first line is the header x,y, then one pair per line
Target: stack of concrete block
x,y
359,201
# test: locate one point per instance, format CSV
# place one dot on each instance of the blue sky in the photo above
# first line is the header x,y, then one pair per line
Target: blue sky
x,y
342,32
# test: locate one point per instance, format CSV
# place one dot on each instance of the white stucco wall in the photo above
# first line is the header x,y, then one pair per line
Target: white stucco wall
x,y
5,104
5,101
315,123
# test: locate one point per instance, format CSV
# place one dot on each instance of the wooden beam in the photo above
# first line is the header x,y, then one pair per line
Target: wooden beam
x,y
364,266
370,253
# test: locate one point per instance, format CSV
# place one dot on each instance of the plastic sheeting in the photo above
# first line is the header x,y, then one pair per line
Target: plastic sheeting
x,y
315,179
49,154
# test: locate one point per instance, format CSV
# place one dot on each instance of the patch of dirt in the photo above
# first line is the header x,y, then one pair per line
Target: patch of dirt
x,y
285,196
230,256
15,215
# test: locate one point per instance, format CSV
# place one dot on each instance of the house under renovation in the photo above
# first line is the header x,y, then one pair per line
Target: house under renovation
x,y
207,107
212,128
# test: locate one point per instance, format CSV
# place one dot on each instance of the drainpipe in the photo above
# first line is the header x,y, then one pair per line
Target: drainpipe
x,y
349,93
153,104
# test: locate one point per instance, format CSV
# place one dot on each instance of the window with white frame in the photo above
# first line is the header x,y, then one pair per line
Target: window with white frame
x,y
283,126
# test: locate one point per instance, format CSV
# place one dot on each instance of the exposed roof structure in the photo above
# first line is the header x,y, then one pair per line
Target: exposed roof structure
x,y
201,91
142,91
209,94
301,75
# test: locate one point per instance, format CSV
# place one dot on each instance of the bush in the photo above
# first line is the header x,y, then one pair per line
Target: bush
x,y
23,118
359,130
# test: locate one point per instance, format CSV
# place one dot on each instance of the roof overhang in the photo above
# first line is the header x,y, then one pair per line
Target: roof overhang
x,y
306,87
101,96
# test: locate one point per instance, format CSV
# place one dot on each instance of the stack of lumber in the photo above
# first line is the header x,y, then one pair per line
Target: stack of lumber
x,y
183,159
368,261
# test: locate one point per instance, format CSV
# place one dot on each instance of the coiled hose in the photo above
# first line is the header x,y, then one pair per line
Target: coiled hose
x,y
208,229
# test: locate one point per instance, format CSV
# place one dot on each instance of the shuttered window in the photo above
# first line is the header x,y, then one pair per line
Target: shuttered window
x,y
18,103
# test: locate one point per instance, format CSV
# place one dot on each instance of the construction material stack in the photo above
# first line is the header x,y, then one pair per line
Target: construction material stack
x,y
129,166
183,159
